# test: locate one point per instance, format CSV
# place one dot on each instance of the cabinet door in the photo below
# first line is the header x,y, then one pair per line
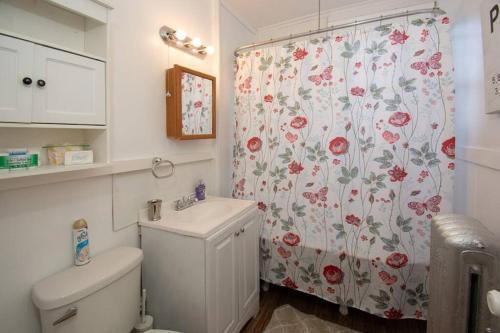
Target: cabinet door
x,y
248,259
222,274
16,64
68,88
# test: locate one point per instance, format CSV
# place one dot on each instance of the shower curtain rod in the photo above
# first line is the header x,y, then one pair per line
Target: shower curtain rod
x,y
436,11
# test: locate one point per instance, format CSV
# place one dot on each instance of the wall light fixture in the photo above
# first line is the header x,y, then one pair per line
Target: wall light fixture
x,y
181,40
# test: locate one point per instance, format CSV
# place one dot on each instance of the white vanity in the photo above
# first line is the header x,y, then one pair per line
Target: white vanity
x,y
201,266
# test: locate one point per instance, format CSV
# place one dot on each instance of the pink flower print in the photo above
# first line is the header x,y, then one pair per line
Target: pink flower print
x,y
390,137
298,122
448,147
399,119
291,137
262,206
288,282
338,39
397,174
295,168
198,104
357,91
268,98
240,186
398,37
353,219
284,253
300,54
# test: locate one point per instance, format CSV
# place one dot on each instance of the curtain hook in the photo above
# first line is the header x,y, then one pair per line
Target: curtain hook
x,y
380,22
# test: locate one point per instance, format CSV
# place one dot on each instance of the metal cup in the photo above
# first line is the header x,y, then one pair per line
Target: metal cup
x,y
154,210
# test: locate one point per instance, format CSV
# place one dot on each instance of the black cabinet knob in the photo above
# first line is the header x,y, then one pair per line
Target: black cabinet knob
x,y
27,81
40,83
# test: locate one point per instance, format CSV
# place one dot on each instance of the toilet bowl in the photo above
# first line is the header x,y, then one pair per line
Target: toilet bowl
x,y
101,296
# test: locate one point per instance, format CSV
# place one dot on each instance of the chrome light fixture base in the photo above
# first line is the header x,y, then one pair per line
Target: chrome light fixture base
x,y
186,44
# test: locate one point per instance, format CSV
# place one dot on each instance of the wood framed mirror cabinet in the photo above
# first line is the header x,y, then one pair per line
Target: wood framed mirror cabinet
x,y
191,111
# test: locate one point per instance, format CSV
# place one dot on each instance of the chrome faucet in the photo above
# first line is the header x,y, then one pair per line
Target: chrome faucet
x,y
185,202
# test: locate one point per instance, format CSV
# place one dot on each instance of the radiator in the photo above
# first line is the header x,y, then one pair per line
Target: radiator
x,y
463,268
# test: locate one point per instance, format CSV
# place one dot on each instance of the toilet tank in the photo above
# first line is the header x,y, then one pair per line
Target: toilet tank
x,y
100,297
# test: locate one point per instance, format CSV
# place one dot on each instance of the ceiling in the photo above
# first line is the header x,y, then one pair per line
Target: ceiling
x,y
261,13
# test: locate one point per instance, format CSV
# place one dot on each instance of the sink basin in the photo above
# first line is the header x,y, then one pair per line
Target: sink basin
x,y
201,220
204,210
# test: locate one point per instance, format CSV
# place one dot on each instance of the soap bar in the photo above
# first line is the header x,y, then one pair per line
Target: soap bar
x,y
78,157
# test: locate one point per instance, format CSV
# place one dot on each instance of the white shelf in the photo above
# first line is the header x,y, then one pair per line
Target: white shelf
x,y
48,169
48,174
54,126
52,45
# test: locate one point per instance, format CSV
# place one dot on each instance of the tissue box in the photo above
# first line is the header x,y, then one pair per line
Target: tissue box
x,y
77,157
55,153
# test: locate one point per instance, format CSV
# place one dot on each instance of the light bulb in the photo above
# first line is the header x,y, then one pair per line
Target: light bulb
x,y
180,35
210,50
196,42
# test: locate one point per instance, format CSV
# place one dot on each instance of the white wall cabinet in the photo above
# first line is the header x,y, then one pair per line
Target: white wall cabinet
x,y
206,285
46,85
16,65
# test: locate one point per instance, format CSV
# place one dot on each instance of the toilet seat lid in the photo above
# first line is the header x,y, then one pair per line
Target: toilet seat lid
x,y
160,331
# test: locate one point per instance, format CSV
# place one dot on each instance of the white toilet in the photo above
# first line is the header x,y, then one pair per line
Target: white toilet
x,y
100,297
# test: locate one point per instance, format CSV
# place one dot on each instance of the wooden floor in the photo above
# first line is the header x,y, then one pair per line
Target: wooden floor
x,y
357,320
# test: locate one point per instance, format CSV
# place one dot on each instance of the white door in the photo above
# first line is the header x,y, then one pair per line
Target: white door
x,y
16,80
68,88
222,268
248,258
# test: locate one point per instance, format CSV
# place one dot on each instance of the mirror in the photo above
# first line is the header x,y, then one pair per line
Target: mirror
x,y
190,104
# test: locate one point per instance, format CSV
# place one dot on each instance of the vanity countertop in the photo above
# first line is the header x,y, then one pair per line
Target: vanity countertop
x,y
201,220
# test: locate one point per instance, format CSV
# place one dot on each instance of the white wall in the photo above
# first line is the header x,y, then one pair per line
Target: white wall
x,y
139,60
356,11
235,33
36,240
35,223
478,136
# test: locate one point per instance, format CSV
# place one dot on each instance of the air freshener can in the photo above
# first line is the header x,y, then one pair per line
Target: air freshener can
x,y
81,242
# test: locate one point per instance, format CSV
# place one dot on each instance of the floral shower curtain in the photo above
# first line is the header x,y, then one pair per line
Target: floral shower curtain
x,y
346,141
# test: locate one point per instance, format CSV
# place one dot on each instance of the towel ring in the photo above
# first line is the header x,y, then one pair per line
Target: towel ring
x,y
157,162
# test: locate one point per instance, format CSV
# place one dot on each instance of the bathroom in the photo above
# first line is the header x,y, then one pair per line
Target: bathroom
x,y
39,206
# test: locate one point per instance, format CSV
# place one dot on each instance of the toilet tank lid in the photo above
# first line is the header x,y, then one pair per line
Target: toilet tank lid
x,y
78,282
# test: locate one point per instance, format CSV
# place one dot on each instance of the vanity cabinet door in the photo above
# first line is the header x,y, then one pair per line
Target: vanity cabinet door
x,y
68,88
248,258
16,80
222,273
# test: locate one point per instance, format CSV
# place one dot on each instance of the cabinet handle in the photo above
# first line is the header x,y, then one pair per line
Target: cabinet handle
x,y
40,83
237,233
27,81
242,230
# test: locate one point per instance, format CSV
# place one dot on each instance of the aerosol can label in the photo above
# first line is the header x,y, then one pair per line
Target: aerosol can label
x,y
81,243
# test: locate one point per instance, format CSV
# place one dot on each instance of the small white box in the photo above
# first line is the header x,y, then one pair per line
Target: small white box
x,y
77,157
